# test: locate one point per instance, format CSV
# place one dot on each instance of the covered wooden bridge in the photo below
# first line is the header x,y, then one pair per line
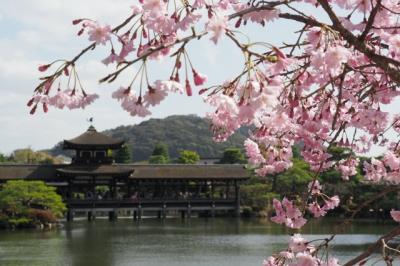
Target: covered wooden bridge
x,y
93,184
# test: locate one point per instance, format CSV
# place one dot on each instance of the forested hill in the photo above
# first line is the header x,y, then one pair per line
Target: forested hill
x,y
178,132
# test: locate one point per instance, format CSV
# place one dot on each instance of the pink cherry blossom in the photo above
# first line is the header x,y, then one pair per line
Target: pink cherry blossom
x,y
305,259
288,214
99,34
169,86
348,167
395,215
316,210
154,96
297,243
271,261
391,160
375,170
217,25
199,79
314,187
331,203
253,152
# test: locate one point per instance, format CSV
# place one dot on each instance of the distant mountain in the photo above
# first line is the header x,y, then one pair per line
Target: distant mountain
x,y
179,132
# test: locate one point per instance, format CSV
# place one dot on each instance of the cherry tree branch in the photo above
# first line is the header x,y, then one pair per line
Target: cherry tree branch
x,y
381,61
392,234
371,20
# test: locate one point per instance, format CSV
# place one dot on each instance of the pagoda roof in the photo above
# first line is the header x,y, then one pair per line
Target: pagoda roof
x,y
92,139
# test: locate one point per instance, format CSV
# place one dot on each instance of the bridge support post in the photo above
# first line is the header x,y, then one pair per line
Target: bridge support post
x,y
70,216
189,211
112,215
159,214
164,211
135,215
90,216
140,212
183,215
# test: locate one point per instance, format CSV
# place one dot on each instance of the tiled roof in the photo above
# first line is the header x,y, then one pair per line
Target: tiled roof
x,y
133,171
93,139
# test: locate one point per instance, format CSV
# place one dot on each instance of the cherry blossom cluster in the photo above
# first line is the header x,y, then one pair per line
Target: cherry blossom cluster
x,y
386,170
287,213
327,88
320,203
301,253
73,97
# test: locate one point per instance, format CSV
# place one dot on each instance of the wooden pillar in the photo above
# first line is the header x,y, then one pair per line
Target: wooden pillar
x,y
114,185
139,210
112,215
135,215
70,192
212,190
70,216
94,187
227,189
189,210
183,215
164,211
237,199
90,216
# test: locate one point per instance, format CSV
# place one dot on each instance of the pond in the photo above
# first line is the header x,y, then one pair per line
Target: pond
x,y
154,242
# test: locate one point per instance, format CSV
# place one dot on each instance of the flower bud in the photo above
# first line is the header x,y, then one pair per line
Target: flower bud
x,y
188,88
43,68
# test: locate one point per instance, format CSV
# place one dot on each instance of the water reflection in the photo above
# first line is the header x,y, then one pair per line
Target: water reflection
x,y
171,242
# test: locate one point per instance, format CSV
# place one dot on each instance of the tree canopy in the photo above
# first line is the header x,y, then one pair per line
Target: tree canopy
x,y
188,157
27,202
232,156
123,155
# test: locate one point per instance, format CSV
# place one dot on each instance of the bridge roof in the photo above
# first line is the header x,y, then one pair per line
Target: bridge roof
x,y
186,171
133,171
96,170
92,139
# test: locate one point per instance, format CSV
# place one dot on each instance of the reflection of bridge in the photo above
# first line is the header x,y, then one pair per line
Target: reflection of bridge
x,y
93,184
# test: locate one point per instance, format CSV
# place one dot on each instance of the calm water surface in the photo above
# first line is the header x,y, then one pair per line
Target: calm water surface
x,y
152,242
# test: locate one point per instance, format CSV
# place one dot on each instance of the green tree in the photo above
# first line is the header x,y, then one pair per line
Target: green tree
x,y
161,149
123,155
188,157
295,179
25,203
28,156
232,156
160,154
157,159
3,158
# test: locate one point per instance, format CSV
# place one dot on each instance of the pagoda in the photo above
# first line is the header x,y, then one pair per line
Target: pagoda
x,y
92,166
92,147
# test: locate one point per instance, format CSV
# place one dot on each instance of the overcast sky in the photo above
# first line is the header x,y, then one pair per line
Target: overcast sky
x,y
40,31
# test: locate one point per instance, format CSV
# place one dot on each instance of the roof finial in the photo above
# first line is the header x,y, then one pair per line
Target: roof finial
x,y
90,120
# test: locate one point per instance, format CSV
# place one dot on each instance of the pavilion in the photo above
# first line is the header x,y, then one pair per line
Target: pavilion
x,y
93,183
